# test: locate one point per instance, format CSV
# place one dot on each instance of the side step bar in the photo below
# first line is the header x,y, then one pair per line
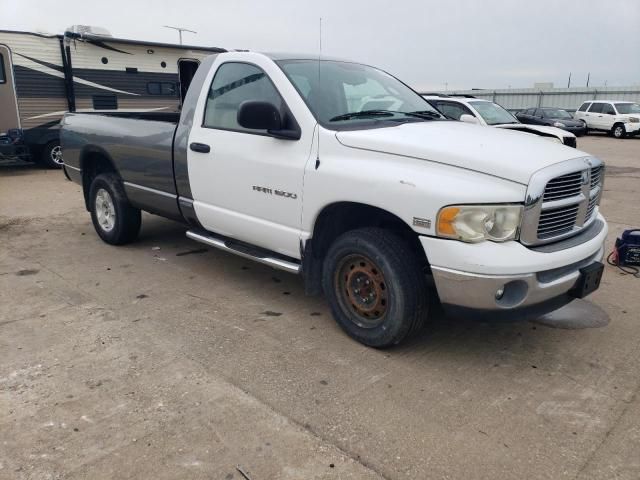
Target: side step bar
x,y
243,250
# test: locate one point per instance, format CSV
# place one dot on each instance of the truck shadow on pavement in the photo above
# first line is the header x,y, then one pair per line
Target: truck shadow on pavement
x,y
279,293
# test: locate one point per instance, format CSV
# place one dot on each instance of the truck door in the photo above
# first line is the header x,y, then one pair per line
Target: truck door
x,y
248,185
9,115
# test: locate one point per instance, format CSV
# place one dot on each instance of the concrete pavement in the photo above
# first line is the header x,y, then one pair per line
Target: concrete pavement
x,y
164,359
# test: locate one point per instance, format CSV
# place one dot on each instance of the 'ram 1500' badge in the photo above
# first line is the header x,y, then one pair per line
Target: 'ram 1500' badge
x,y
279,193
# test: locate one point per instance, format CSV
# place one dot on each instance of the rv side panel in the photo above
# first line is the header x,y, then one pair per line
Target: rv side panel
x,y
39,78
126,77
9,115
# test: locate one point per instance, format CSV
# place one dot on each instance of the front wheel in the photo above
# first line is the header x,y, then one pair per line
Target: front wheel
x,y
376,286
115,220
619,131
51,156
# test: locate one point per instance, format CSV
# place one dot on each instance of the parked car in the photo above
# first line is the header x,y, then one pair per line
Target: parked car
x,y
483,112
552,117
268,161
616,118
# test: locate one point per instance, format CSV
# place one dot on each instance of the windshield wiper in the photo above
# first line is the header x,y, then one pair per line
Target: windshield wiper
x,y
363,113
425,114
428,114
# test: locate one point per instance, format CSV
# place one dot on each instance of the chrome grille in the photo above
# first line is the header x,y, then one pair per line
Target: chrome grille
x,y
557,221
565,186
562,200
596,175
591,207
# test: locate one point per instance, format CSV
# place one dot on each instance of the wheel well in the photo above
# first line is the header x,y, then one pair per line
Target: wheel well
x,y
93,164
341,217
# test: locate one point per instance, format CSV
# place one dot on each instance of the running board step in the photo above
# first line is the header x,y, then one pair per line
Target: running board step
x,y
247,251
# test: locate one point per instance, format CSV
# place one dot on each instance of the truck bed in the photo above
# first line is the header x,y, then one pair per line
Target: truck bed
x,y
140,147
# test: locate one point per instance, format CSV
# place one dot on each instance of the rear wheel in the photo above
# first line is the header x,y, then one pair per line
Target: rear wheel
x,y
376,287
618,131
114,219
51,156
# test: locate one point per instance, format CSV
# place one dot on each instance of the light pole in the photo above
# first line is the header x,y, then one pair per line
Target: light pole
x,y
180,30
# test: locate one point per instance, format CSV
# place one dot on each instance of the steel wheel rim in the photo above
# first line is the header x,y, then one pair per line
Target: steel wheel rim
x,y
362,290
56,155
618,132
105,210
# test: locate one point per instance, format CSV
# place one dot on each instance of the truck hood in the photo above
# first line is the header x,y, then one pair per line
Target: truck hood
x,y
510,155
525,127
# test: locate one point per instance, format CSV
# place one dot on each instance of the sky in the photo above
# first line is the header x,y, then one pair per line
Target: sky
x,y
429,44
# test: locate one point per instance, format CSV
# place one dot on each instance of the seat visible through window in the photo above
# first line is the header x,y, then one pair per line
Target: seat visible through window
x,y
233,84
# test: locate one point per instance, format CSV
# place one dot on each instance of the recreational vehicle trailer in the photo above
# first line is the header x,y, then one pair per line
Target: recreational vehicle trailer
x,y
85,70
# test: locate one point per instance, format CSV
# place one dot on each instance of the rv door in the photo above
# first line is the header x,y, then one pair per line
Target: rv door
x,y
186,70
9,115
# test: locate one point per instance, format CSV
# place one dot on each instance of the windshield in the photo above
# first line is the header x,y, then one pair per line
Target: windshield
x,y
625,108
492,113
557,113
350,95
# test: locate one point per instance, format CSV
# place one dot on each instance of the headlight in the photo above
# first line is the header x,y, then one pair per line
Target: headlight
x,y
476,223
559,125
634,120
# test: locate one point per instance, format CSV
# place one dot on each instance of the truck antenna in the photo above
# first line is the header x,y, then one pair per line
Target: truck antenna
x,y
317,99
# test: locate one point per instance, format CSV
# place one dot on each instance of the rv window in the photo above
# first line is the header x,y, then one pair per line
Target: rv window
x,y
105,102
162,88
3,79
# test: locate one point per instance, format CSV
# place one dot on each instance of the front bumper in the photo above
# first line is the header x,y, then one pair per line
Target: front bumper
x,y
577,131
13,151
525,296
528,290
632,128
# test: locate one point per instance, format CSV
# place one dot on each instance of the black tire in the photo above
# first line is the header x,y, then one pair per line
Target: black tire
x,y
618,131
399,284
51,155
124,222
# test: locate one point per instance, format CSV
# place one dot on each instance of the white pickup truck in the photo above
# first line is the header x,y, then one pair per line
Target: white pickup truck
x,y
282,159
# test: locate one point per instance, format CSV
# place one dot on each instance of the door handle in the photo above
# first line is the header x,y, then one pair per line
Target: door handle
x,y
200,147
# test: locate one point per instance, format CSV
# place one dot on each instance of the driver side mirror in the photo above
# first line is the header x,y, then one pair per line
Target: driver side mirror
x,y
256,115
468,119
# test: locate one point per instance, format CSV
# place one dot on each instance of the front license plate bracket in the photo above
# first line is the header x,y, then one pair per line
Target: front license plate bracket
x,y
589,280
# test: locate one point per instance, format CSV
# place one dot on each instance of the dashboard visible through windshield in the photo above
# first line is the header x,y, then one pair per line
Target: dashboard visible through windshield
x,y
344,95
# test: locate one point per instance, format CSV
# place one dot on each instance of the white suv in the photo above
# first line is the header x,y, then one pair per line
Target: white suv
x,y
617,118
483,112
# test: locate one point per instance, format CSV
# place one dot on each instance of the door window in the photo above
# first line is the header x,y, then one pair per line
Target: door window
x,y
583,107
233,84
453,110
607,109
596,108
3,78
